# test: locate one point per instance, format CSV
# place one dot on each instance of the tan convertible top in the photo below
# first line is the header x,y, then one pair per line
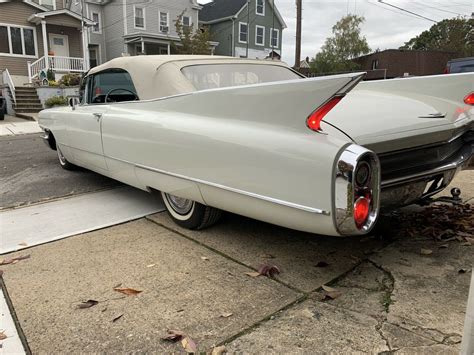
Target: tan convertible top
x,y
156,76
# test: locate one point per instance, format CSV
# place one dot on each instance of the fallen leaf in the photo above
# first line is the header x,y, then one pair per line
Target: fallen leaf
x,y
226,315
322,264
189,345
218,350
466,244
268,270
14,260
443,246
117,318
173,335
252,274
330,293
2,335
463,234
204,258
127,291
267,256
87,304
150,265
426,251
462,271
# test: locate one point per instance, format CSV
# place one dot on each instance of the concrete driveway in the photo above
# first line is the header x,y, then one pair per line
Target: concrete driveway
x,y
404,288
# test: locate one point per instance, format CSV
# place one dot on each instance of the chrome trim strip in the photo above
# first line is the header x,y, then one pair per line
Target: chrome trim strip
x,y
227,188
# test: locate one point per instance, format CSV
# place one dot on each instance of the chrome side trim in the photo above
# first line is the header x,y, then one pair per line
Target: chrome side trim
x,y
227,188
345,190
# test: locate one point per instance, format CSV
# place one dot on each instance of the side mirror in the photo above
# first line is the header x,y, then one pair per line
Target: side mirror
x,y
73,101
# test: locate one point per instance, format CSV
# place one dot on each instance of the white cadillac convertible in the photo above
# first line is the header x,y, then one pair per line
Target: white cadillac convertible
x,y
255,138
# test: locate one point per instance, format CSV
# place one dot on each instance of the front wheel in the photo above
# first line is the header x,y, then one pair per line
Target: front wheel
x,y
190,214
63,161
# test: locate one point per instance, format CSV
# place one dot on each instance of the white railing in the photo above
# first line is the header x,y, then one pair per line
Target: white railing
x,y
7,79
59,64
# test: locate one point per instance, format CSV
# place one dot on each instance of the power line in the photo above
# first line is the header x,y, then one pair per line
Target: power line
x,y
394,11
408,11
438,9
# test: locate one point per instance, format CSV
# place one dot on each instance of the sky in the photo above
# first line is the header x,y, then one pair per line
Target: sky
x,y
385,27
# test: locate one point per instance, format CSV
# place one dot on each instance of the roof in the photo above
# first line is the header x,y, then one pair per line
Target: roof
x,y
157,76
219,9
36,18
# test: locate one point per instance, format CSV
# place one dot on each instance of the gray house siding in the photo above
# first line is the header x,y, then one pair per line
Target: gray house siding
x,y
97,39
113,30
222,32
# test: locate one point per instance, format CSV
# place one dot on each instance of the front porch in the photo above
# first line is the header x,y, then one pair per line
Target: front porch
x,y
64,44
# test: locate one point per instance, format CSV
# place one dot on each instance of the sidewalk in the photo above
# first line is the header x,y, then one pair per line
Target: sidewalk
x,y
13,126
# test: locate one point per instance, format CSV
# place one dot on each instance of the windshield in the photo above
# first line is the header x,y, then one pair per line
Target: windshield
x,y
210,76
462,66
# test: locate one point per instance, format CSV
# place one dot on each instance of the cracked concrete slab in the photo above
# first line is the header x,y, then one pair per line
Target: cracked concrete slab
x,y
297,254
312,327
181,290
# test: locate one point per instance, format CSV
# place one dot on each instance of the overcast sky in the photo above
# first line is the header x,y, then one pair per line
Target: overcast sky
x,y
385,27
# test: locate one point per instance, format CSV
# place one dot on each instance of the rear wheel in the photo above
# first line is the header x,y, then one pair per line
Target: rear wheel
x,y
63,161
190,214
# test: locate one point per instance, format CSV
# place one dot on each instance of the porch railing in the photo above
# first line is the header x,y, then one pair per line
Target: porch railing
x,y
56,63
7,79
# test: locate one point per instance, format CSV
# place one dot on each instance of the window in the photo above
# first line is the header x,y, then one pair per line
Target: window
x,y
164,27
50,4
17,40
186,21
259,35
139,14
375,64
93,57
103,83
243,32
210,76
260,7
274,37
97,28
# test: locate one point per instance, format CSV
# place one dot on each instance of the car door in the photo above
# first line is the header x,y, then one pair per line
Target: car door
x,y
84,131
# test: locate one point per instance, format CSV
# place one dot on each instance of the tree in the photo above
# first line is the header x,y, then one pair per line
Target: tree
x,y
192,42
346,43
451,35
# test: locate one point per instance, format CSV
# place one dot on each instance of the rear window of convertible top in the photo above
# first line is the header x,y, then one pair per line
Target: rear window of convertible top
x,y
210,76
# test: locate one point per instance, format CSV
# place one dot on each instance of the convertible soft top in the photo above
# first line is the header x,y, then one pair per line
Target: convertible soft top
x,y
157,76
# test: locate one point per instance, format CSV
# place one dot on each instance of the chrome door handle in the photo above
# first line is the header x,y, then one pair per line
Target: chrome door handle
x,y
97,116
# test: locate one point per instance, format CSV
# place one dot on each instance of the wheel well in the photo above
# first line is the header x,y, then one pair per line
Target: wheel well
x,y
51,140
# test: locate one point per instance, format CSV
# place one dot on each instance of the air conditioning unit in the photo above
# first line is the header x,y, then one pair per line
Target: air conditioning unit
x,y
164,28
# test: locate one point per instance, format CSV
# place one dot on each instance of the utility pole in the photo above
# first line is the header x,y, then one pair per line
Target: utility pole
x,y
298,34
248,29
273,27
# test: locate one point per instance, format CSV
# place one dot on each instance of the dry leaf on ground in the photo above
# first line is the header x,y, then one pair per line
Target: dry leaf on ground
x,y
14,260
2,335
87,304
204,258
268,270
252,274
218,350
330,293
226,315
117,318
466,244
322,264
173,335
150,265
266,256
127,291
424,251
189,345
443,246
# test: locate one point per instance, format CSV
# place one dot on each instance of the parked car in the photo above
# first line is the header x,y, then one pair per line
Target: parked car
x,y
460,65
256,138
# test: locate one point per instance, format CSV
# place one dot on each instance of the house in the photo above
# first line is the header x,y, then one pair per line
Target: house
x,y
134,27
393,63
244,28
71,36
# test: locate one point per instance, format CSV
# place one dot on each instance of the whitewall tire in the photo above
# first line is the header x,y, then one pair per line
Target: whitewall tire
x,y
190,214
63,161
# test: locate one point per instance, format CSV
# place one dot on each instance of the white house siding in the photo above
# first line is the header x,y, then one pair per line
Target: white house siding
x,y
152,9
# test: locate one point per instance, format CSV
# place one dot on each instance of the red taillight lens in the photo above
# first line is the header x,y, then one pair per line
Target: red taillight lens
x,y
314,120
469,99
361,211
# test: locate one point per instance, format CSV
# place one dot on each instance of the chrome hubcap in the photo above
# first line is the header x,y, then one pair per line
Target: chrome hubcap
x,y
180,205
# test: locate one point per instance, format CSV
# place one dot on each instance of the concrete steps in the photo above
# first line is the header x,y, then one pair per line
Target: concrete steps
x,y
27,101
